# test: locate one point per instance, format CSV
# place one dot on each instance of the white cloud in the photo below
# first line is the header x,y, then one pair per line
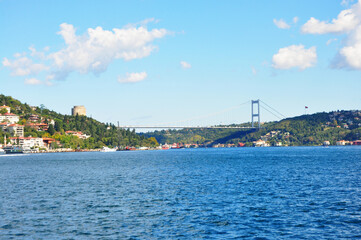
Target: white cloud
x,y
132,77
348,22
295,20
295,56
23,66
32,81
92,51
346,2
36,54
350,55
281,24
185,64
142,23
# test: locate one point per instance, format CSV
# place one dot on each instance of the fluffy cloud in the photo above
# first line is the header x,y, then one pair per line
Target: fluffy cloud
x,y
92,51
346,2
350,55
348,22
23,66
32,81
295,56
133,77
281,24
185,64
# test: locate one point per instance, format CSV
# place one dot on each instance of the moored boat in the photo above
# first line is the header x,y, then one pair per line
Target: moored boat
x,y
13,150
106,149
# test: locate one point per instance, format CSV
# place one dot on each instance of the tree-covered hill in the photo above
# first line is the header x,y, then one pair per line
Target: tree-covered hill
x,y
101,134
302,130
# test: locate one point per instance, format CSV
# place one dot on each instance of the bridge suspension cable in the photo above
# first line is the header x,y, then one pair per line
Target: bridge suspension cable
x,y
204,116
270,112
278,114
264,106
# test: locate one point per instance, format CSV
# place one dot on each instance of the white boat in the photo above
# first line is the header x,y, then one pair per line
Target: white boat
x,y
106,149
2,151
27,150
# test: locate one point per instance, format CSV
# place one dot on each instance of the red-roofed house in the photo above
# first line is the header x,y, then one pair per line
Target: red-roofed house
x,y
34,118
48,141
38,126
5,107
4,125
77,134
9,117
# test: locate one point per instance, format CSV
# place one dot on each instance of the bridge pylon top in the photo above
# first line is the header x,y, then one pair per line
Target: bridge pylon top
x,y
255,114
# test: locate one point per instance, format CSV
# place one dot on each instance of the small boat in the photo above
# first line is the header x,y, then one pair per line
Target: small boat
x,y
106,149
2,151
175,146
27,150
130,148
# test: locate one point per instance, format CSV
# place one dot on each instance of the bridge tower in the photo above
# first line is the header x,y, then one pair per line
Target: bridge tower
x,y
254,114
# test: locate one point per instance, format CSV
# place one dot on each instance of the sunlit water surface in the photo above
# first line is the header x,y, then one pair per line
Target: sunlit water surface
x,y
255,193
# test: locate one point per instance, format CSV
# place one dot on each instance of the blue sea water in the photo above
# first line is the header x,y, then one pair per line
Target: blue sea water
x,y
248,193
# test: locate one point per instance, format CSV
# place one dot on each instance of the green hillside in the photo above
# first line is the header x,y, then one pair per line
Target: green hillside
x,y
306,130
101,134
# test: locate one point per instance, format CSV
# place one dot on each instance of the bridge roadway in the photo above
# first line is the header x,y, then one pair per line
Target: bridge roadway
x,y
187,127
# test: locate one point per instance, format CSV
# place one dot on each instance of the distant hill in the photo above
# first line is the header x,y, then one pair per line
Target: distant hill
x,y
307,130
303,130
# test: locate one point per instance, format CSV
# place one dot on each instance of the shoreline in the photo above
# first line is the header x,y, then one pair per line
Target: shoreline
x,y
159,149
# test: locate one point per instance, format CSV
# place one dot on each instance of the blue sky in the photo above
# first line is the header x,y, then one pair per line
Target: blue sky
x,y
147,62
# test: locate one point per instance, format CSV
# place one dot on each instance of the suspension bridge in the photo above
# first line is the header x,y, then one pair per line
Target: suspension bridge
x,y
255,119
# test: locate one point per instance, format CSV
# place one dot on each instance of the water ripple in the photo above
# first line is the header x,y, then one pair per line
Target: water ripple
x,y
273,193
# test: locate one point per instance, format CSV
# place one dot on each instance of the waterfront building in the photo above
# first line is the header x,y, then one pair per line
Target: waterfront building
x,y
27,142
78,110
261,143
49,141
342,143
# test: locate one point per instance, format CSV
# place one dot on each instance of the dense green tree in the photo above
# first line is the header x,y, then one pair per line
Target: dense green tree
x,y
51,129
3,111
